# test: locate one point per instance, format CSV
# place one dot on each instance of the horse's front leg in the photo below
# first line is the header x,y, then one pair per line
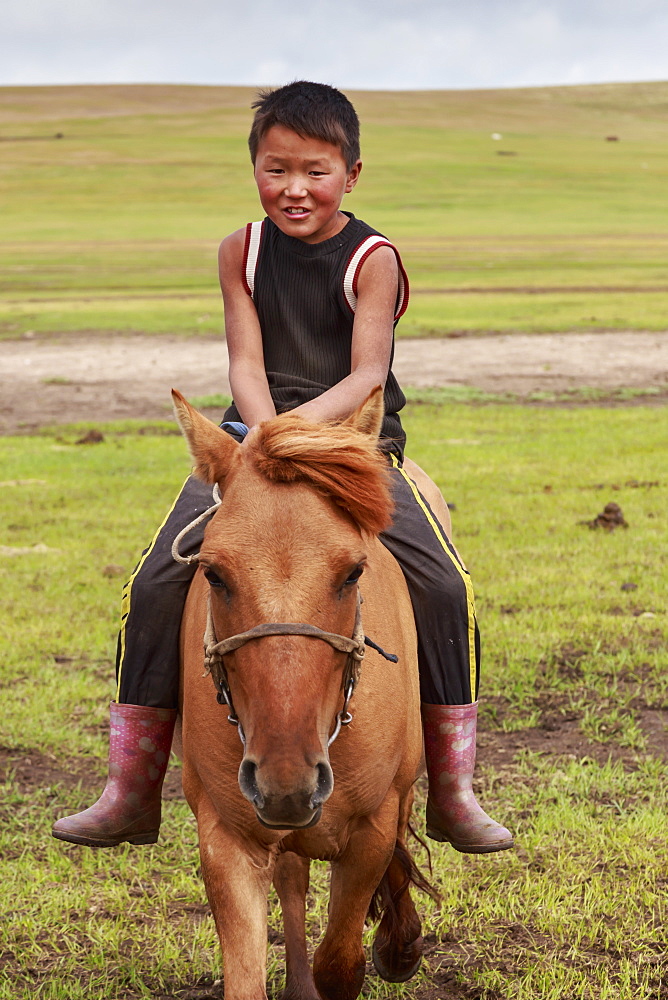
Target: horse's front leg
x,y
291,878
339,963
237,877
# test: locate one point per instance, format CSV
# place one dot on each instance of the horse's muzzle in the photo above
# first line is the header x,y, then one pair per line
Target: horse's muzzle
x,y
282,808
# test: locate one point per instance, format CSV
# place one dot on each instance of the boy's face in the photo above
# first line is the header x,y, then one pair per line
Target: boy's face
x,y
301,183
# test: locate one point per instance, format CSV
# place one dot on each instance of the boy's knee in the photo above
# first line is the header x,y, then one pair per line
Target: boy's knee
x,y
154,579
446,590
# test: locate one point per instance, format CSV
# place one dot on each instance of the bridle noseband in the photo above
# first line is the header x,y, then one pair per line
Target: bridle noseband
x,y
215,651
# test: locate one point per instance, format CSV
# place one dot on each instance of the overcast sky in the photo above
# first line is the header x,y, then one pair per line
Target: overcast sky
x,y
370,44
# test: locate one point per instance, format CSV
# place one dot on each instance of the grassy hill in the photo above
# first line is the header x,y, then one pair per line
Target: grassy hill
x,y
114,225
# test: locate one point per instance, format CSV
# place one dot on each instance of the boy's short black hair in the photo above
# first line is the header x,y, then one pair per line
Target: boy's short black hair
x,y
310,109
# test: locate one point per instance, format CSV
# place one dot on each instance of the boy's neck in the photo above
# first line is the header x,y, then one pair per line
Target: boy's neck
x,y
343,218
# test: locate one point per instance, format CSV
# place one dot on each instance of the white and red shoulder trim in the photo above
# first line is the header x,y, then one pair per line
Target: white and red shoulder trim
x,y
254,231
357,258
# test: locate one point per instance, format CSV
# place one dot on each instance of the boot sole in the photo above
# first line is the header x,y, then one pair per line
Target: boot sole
x,y
502,845
138,839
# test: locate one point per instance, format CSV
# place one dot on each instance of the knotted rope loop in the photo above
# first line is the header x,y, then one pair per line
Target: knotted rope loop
x,y
188,560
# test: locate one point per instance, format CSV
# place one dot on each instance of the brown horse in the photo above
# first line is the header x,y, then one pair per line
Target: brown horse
x,y
302,506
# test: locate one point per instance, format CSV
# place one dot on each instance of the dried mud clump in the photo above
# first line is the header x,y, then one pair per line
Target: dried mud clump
x,y
92,437
610,518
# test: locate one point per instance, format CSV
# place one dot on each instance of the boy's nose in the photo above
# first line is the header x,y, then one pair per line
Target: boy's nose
x,y
295,187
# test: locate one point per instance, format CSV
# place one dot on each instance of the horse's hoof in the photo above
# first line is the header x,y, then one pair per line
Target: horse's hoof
x,y
395,975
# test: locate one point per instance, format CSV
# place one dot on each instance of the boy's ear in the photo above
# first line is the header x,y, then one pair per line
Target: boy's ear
x,y
368,418
353,176
213,452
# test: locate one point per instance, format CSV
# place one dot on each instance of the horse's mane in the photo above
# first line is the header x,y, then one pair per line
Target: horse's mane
x,y
335,458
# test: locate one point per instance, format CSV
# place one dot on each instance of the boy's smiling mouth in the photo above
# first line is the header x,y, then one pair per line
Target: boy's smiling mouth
x,y
296,211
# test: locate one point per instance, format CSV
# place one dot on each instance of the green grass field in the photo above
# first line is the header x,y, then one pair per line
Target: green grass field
x,y
115,225
573,750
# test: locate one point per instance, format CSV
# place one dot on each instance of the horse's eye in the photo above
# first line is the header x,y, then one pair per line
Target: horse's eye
x,y
213,578
354,576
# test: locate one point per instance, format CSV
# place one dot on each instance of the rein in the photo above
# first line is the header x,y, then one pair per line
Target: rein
x,y
215,651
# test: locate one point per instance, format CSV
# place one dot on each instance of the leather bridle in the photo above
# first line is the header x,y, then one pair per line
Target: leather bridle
x,y
215,651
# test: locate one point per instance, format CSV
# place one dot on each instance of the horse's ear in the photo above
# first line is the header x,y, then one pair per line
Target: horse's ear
x,y
212,450
368,418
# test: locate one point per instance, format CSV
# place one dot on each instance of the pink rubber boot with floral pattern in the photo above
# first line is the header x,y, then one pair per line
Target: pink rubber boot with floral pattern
x,y
453,814
140,739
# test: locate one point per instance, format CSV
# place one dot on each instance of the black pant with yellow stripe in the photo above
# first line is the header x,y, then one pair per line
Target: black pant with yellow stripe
x,y
440,590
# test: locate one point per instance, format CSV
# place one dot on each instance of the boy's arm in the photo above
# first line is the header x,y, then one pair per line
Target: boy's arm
x,y
248,380
372,340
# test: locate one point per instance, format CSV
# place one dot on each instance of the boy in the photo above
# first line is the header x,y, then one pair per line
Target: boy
x,y
311,296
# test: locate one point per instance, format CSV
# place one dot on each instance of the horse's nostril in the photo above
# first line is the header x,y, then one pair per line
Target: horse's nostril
x,y
248,783
325,785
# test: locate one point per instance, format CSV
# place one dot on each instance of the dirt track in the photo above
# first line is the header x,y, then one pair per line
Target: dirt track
x,y
106,378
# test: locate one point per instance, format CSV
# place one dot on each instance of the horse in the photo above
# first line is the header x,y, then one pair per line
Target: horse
x,y
324,749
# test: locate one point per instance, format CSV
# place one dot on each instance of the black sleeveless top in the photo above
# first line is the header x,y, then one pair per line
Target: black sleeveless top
x,y
305,295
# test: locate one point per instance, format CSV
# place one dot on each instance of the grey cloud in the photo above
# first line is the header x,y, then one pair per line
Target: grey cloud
x,y
376,43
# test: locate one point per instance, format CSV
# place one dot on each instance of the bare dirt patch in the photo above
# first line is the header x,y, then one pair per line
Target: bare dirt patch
x,y
95,378
31,769
559,735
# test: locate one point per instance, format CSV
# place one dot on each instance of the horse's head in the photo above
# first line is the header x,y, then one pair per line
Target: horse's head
x,y
288,544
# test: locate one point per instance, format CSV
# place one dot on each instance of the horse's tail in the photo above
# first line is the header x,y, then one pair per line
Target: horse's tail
x,y
401,874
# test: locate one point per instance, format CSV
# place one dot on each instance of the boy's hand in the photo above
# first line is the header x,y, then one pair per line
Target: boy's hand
x,y
250,434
